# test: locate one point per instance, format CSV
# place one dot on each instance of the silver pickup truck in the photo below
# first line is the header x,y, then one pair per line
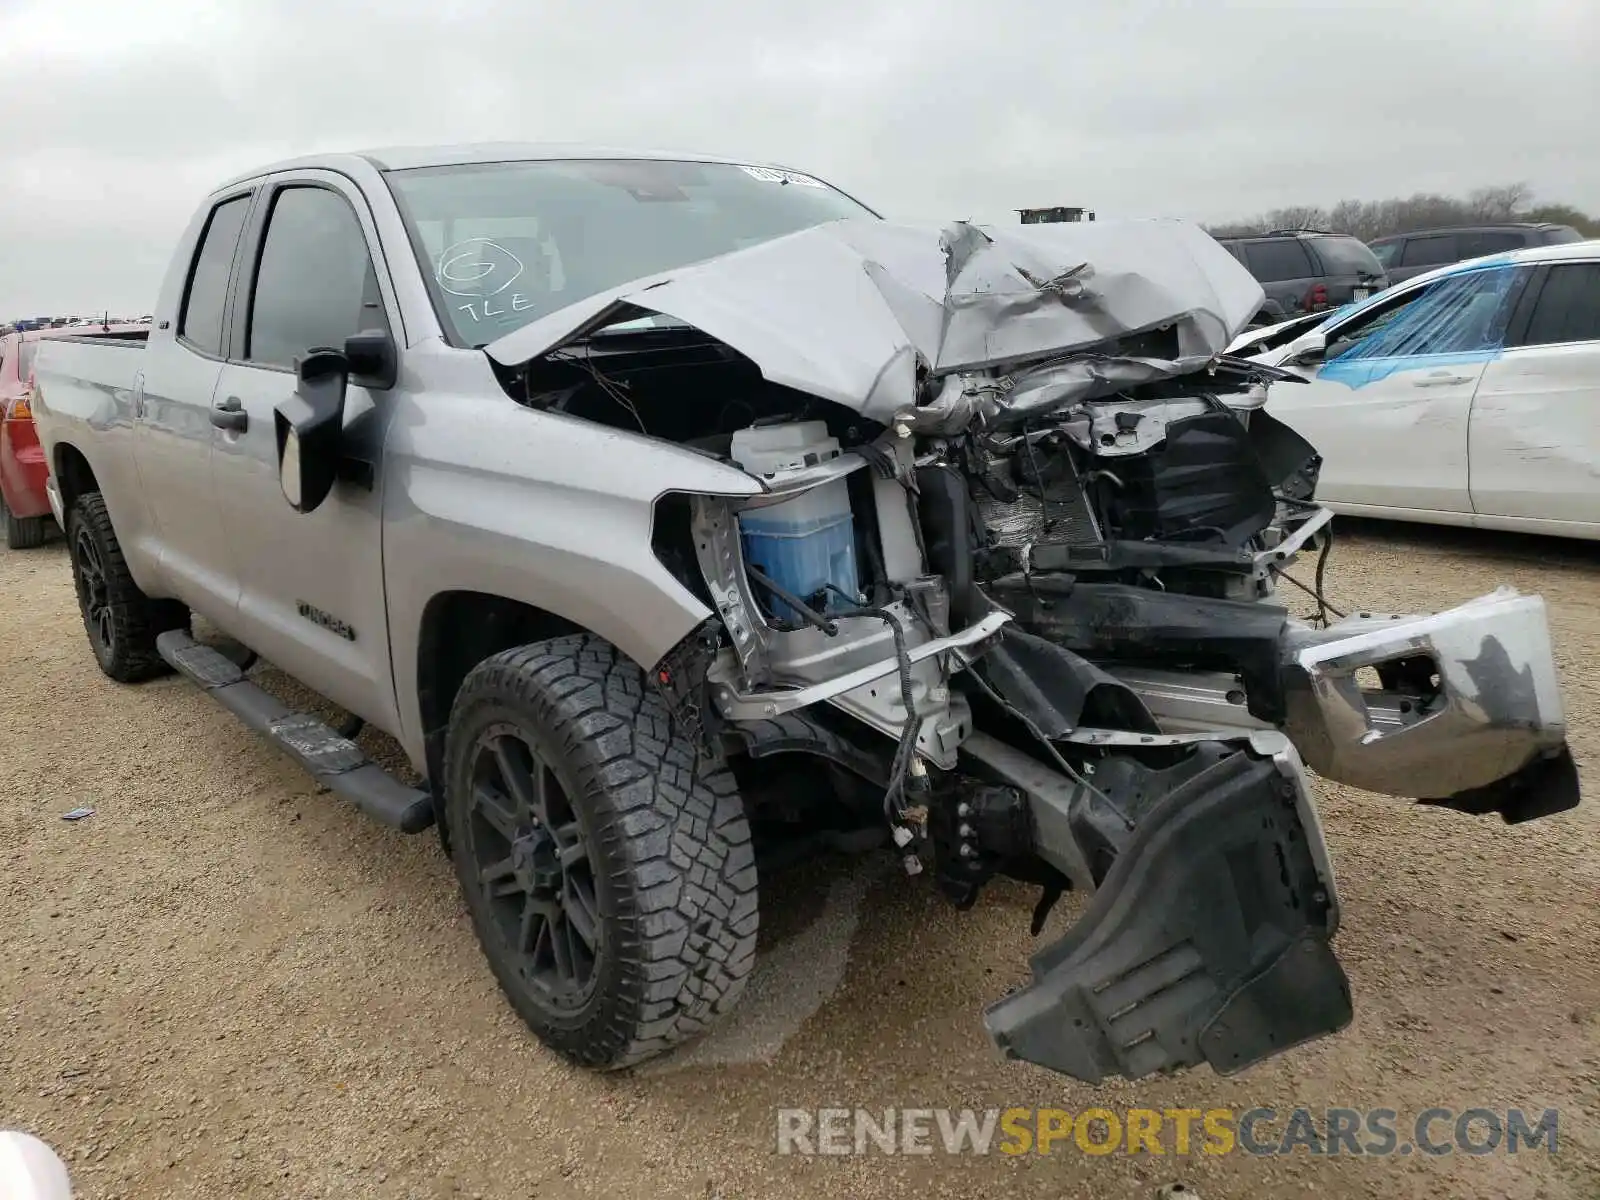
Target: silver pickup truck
x,y
657,505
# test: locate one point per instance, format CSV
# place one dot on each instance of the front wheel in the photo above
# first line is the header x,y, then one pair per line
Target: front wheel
x,y
122,622
607,866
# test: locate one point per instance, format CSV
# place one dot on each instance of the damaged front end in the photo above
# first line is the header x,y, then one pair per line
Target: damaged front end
x,y
1013,573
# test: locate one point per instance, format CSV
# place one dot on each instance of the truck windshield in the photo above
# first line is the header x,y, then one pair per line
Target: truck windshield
x,y
506,243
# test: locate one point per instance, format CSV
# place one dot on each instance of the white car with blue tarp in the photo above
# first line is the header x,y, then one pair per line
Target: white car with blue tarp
x,y
1466,396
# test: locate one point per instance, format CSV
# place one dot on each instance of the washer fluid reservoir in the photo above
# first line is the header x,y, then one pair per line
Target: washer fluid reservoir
x,y
807,543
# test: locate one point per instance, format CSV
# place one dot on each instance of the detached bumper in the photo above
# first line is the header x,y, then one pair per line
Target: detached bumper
x,y
1467,711
1210,937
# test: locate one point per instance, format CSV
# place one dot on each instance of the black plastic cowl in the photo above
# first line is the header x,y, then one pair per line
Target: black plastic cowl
x,y
1209,941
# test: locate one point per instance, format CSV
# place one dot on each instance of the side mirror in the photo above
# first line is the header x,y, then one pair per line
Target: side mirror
x,y
309,426
374,360
1308,348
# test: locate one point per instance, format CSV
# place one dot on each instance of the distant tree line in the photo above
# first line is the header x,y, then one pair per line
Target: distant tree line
x,y
1369,219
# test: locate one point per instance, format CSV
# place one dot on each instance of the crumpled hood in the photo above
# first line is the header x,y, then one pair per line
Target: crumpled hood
x,y
850,310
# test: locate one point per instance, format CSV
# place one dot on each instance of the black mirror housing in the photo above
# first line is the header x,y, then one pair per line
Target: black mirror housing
x,y
373,358
309,427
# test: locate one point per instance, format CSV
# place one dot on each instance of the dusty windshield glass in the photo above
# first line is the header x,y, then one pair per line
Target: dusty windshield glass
x,y
505,243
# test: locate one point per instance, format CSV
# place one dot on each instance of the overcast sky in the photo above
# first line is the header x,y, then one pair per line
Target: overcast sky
x,y
120,116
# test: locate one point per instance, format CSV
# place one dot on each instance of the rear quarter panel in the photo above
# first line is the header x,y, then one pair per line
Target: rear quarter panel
x,y
84,392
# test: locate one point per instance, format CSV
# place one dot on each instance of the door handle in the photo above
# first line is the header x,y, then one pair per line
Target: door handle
x,y
1440,379
229,414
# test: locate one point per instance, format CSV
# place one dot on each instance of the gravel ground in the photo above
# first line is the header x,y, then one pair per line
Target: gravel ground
x,y
224,984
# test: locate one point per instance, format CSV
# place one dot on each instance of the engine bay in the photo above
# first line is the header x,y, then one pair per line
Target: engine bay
x,y
1017,597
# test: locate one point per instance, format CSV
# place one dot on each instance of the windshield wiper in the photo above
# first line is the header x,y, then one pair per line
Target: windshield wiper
x,y
641,325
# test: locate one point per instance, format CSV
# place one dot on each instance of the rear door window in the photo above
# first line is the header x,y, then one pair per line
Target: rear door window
x,y
1475,245
314,285
200,323
1431,251
1279,259
1558,235
1568,307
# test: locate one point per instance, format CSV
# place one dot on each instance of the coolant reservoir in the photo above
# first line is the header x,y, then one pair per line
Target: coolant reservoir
x,y
805,544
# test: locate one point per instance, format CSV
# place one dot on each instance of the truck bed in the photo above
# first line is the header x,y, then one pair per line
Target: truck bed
x,y
85,387
80,378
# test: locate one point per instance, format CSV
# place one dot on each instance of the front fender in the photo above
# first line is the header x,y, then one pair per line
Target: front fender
x,y
484,495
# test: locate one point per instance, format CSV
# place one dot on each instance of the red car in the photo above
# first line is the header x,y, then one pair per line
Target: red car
x,y
23,470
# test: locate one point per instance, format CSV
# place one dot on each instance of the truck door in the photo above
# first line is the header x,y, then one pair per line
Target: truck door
x,y
173,433
1536,416
311,594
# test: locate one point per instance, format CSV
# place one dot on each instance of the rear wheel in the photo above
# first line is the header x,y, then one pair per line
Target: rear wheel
x,y
22,533
122,622
606,865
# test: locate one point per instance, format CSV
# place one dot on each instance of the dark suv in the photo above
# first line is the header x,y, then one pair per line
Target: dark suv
x,y
1307,270
1408,254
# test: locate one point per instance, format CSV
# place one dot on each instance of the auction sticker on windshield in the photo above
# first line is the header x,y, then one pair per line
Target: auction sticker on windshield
x,y
772,175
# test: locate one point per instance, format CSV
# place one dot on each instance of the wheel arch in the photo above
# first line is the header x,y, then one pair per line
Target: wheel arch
x,y
459,629
74,476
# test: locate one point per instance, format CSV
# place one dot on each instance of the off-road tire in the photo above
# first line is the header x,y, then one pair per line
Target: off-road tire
x,y
124,642
22,533
673,868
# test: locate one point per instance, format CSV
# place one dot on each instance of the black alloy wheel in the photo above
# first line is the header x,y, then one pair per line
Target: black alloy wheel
x,y
94,595
532,856
121,621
